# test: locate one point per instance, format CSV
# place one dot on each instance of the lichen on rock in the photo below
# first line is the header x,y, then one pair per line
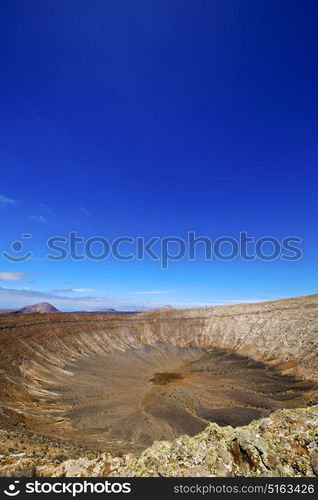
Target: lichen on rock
x,y
284,445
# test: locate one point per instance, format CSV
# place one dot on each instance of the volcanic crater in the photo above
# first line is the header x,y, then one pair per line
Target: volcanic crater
x,y
118,383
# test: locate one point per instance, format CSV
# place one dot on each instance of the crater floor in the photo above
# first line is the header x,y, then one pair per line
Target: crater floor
x,y
127,400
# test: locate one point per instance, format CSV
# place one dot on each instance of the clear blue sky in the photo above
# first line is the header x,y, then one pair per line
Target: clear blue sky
x,y
155,118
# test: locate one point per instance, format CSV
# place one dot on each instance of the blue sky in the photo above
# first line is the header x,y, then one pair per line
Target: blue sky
x,y
155,118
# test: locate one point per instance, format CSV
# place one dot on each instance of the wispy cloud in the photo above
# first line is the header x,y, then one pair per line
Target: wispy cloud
x,y
223,302
73,290
72,301
7,202
12,276
150,292
15,298
46,209
39,218
84,211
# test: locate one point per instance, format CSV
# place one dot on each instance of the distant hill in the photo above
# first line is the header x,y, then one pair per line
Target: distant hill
x,y
107,310
167,307
104,311
46,308
112,311
43,308
7,311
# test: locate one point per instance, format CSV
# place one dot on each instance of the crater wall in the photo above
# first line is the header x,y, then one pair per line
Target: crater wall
x,y
42,358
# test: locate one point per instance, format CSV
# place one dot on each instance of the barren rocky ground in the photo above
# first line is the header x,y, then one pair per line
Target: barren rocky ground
x,y
77,391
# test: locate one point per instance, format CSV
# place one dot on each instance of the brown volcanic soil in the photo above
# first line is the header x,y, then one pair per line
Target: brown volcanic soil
x,y
118,383
123,402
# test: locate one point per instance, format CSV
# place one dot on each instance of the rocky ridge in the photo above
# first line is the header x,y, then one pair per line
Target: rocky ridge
x,y
283,445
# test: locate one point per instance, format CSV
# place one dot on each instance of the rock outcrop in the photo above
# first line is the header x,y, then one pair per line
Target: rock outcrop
x,y
283,445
